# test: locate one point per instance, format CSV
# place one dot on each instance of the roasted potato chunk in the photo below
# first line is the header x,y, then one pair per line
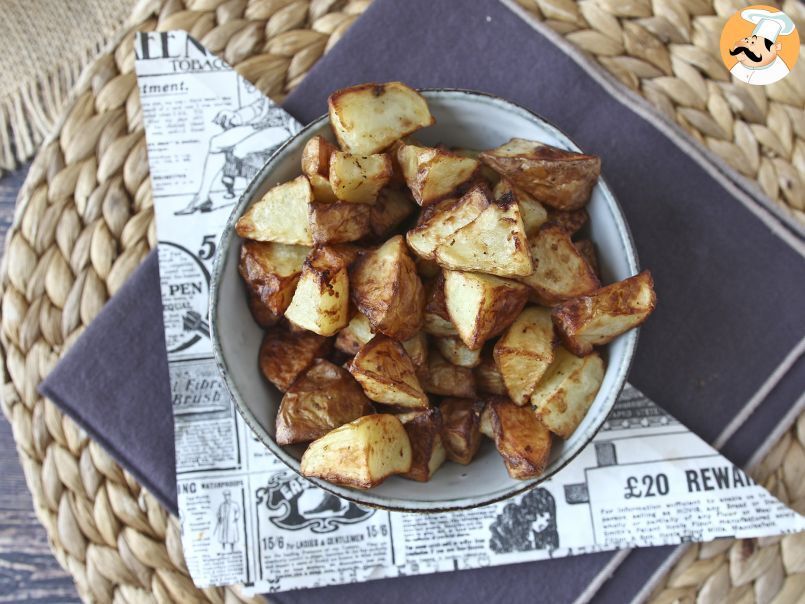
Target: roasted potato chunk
x,y
561,179
456,352
281,215
387,289
323,399
531,211
605,314
437,320
444,378
521,439
391,209
493,243
285,355
563,397
360,454
387,375
587,249
316,157
481,306
271,271
322,190
358,179
368,118
562,271
441,220
321,301
427,451
571,221
524,352
461,435
359,332
339,222
433,174
488,378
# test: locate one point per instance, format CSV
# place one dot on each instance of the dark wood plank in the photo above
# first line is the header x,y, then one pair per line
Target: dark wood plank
x,y
28,570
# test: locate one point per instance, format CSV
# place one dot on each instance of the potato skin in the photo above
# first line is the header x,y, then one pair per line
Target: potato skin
x,y
488,377
271,285
427,450
323,399
571,221
284,355
316,157
436,320
521,439
392,208
461,433
338,222
445,379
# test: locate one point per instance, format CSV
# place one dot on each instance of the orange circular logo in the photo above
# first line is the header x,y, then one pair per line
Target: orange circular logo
x,y
759,45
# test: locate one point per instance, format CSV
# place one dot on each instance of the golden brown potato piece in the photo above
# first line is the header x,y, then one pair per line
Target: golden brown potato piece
x,y
531,211
562,272
360,454
339,222
444,378
270,271
284,355
321,301
387,289
524,352
325,397
322,191
487,376
561,179
261,313
359,332
456,353
369,117
440,221
437,320
521,439
359,178
433,174
281,215
567,390
587,249
427,451
387,375
493,243
605,314
571,221
481,306
461,435
316,157
390,210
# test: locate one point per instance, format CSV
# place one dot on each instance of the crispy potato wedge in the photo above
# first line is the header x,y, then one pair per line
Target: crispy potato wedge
x,y
443,378
359,178
316,157
360,454
442,220
437,320
561,179
572,221
604,314
387,375
494,243
391,209
481,306
521,439
281,215
285,355
563,397
339,222
271,271
359,332
461,418
322,190
432,173
524,352
487,376
387,289
325,397
531,211
562,272
321,301
456,353
369,117
587,249
427,450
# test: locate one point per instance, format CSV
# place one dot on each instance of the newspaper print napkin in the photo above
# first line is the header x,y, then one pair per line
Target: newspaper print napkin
x,y
645,480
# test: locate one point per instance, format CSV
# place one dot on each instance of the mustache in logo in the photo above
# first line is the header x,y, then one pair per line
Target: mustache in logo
x,y
752,56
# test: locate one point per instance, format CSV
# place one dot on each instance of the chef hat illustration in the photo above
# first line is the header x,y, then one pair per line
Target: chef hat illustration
x,y
769,25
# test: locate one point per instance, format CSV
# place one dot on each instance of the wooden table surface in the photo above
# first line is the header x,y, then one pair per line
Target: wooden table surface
x,y
28,571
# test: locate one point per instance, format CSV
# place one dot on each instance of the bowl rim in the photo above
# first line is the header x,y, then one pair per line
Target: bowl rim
x,y
365,498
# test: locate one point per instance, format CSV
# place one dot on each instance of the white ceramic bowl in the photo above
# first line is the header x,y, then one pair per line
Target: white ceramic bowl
x,y
463,119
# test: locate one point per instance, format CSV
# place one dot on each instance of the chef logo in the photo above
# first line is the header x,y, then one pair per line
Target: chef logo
x,y
295,504
759,45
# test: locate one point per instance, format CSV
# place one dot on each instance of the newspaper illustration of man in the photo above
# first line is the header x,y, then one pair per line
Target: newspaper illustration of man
x,y
227,521
249,137
528,525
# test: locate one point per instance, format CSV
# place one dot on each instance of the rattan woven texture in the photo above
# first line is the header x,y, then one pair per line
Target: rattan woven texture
x,y
84,221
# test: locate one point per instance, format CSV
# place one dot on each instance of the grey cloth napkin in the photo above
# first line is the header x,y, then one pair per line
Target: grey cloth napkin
x,y
726,338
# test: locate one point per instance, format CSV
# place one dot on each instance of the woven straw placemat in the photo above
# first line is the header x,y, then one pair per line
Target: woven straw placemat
x,y
84,221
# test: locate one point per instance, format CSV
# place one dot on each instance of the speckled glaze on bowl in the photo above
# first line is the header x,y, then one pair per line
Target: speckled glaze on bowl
x,y
465,119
